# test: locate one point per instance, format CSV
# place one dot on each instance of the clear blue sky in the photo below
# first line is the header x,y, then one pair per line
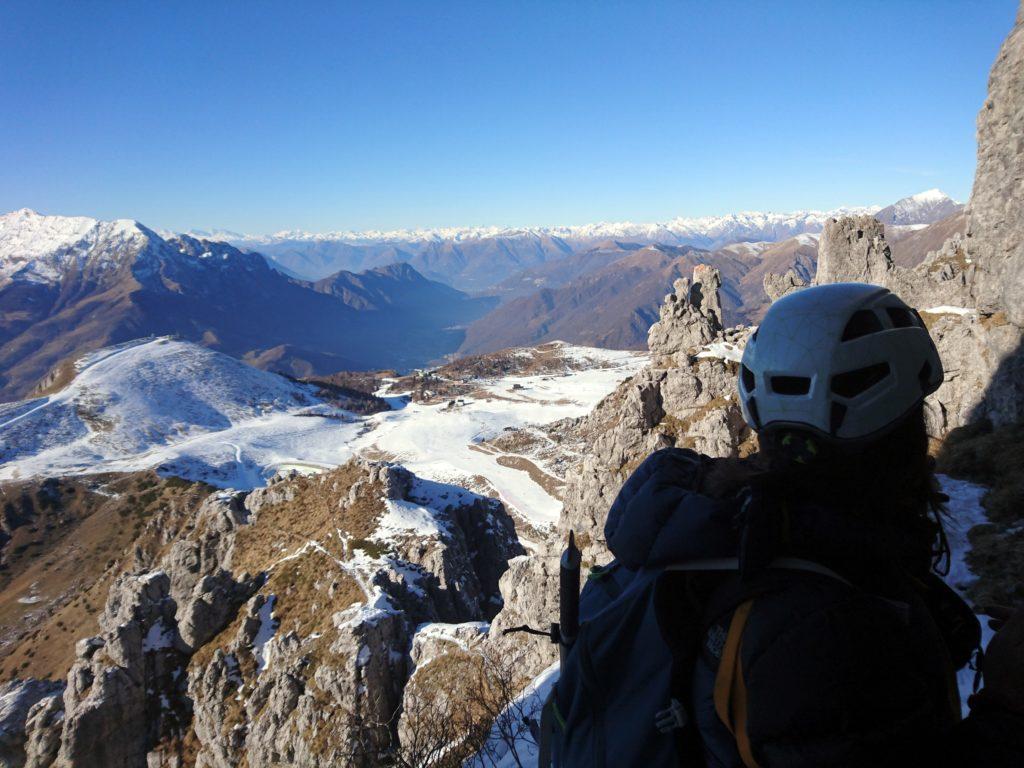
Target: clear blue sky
x,y
259,116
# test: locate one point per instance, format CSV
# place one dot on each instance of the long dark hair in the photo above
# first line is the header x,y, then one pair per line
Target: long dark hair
x,y
888,482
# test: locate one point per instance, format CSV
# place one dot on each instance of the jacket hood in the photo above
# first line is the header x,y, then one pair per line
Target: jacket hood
x,y
658,518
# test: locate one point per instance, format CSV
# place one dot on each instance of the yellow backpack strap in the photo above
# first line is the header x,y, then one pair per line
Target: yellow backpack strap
x,y
730,689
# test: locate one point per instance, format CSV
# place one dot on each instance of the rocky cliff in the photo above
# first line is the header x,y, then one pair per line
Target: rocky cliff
x,y
995,236
279,626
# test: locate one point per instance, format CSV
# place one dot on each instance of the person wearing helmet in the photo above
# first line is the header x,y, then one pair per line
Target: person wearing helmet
x,y
836,642
846,363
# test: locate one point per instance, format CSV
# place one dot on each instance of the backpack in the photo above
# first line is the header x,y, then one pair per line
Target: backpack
x,y
622,697
623,694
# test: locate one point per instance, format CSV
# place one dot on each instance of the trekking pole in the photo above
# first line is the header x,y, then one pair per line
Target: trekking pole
x,y
564,633
568,597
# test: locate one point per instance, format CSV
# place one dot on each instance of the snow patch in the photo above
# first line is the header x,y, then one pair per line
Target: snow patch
x,y
946,309
722,350
965,512
364,656
498,753
408,517
158,638
930,196
262,647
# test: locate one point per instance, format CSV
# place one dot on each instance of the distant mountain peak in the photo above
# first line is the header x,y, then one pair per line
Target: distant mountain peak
x,y
930,195
39,248
399,269
918,210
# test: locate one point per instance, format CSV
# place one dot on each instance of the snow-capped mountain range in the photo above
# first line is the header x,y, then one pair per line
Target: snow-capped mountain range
x,y
754,225
478,258
40,249
703,231
45,249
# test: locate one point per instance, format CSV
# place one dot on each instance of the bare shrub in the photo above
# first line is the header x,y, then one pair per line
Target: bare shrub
x,y
467,711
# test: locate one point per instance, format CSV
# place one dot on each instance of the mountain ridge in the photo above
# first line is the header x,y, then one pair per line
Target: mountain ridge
x,y
711,226
69,285
479,258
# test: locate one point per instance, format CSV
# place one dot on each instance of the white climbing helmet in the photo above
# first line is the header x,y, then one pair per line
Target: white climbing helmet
x,y
846,360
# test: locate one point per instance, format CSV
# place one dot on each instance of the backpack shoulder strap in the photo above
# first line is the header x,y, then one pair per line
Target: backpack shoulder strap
x,y
730,692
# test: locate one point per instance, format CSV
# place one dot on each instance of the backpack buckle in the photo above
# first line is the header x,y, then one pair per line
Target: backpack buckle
x,y
672,718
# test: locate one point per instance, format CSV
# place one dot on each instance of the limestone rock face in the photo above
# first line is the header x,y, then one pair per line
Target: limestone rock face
x,y
201,584
777,286
302,662
299,705
448,671
112,711
18,699
691,315
852,249
42,732
995,228
126,691
312,670
977,358
529,591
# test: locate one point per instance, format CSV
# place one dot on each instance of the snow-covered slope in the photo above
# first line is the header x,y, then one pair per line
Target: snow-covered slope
x,y
195,413
443,441
40,249
43,249
140,404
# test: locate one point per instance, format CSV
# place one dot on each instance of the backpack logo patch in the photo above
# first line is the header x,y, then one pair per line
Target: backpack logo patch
x,y
715,640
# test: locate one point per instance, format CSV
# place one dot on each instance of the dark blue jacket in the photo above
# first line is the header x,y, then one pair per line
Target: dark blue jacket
x,y
838,672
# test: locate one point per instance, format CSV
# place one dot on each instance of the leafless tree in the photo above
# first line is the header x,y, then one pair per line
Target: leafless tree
x,y
480,720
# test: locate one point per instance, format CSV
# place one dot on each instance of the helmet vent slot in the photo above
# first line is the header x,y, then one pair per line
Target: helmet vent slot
x,y
864,322
853,383
901,317
791,385
748,378
755,417
836,417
